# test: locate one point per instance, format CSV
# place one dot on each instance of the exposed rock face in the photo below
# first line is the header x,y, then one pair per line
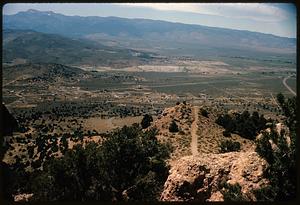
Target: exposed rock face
x,y
22,197
201,177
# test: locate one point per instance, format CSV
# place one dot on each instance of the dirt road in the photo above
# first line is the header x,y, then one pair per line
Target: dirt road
x,y
194,129
288,87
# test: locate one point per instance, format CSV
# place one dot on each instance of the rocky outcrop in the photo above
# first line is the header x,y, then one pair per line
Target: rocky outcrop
x,y
22,197
202,177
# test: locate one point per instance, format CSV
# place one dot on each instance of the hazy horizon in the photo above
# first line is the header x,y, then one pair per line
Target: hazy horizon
x,y
276,19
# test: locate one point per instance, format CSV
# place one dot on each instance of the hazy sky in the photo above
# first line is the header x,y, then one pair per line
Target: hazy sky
x,y
278,19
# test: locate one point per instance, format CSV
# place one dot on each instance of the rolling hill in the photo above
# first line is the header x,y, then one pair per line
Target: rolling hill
x,y
48,71
36,47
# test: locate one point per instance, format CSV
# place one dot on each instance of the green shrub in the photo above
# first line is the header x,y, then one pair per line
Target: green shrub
x,y
244,124
280,98
282,167
204,112
233,193
282,170
266,193
229,146
146,121
226,133
173,127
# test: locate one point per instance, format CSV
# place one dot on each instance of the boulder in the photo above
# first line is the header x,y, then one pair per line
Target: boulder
x,y
202,177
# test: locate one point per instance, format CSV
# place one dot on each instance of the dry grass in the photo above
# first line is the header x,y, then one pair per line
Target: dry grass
x,y
106,125
180,141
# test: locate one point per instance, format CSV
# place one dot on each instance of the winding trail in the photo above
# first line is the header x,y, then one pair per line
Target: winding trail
x,y
286,85
275,101
194,129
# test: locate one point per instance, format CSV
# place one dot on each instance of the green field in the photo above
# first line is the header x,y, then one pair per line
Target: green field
x,y
251,84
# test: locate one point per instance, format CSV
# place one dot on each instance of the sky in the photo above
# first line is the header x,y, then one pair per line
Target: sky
x,y
271,18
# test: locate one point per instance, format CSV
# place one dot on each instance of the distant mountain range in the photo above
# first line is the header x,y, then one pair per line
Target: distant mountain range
x,y
152,35
37,47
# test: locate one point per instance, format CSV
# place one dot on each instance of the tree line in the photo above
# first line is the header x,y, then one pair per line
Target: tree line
x,y
128,166
244,124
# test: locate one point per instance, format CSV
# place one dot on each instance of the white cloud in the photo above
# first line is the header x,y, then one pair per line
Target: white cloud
x,y
254,11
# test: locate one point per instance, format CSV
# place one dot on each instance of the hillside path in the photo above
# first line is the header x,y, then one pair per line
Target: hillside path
x,y
287,86
194,129
275,101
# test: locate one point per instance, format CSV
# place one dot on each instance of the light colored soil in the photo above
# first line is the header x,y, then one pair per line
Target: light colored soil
x,y
105,125
120,122
183,66
98,124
